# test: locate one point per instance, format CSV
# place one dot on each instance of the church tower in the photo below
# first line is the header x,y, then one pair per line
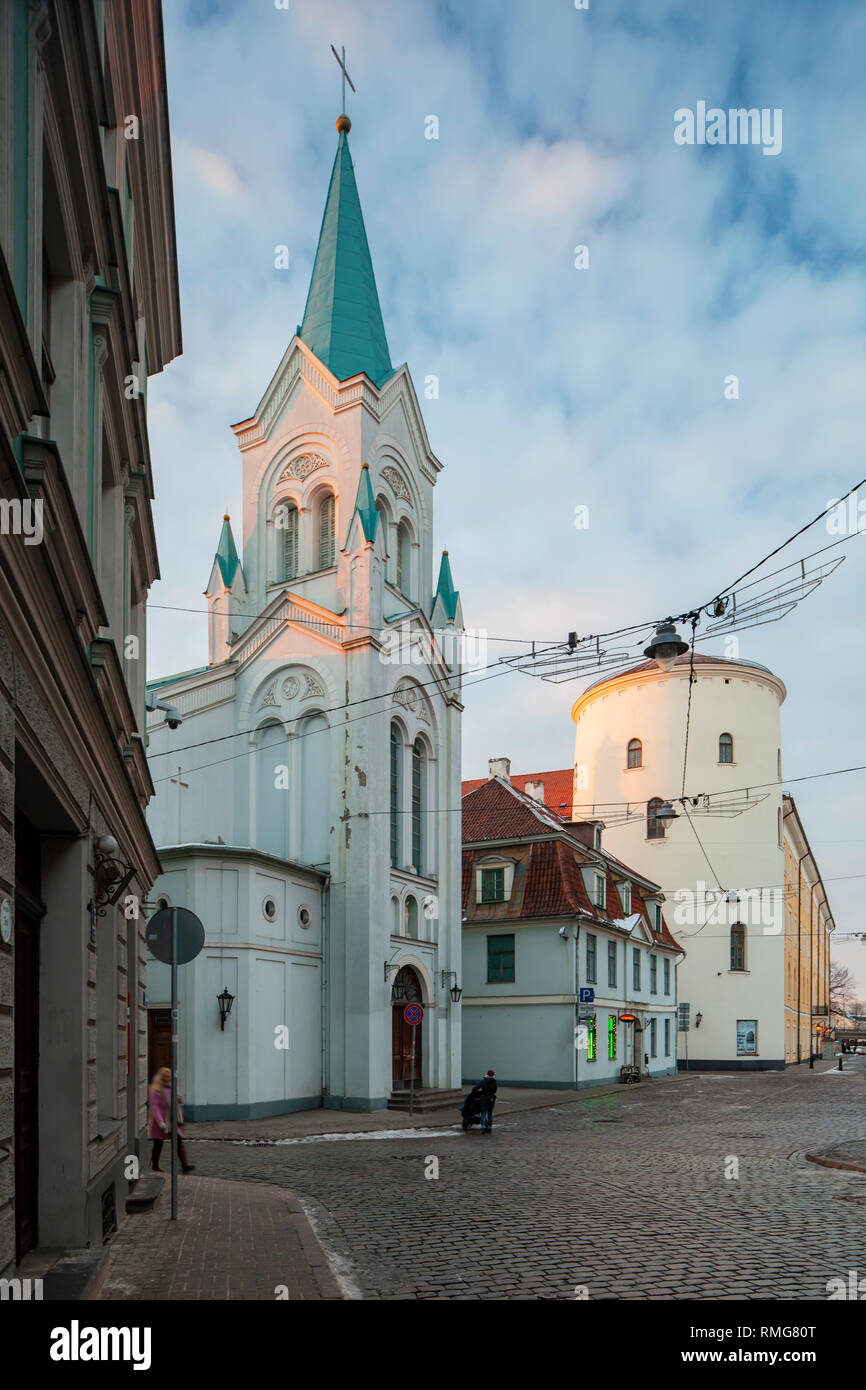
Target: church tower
x,y
319,837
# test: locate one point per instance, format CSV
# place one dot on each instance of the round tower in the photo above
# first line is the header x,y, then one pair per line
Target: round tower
x,y
721,866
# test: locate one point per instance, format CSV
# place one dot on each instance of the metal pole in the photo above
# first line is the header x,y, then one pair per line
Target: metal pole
x,y
174,1064
412,1075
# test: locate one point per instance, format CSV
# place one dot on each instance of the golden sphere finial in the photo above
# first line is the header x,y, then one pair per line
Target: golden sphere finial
x,y
343,123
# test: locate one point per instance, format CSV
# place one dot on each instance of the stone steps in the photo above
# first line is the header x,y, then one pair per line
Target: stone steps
x,y
145,1192
426,1098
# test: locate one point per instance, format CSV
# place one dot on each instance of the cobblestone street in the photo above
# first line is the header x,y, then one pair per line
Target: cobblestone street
x,y
625,1194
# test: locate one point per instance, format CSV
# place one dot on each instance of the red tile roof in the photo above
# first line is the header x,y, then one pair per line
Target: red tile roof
x,y
550,883
557,787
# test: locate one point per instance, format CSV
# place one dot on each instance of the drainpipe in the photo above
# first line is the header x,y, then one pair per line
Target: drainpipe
x,y
576,940
326,1060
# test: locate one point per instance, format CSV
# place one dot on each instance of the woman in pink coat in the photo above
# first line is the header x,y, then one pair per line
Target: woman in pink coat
x,y
159,1119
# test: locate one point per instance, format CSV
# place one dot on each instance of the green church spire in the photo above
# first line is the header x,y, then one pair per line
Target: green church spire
x,y
342,321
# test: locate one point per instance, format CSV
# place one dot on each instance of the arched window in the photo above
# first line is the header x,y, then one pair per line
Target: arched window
x,y
412,917
314,748
286,527
404,560
738,946
655,828
726,748
395,916
272,791
779,763
325,541
635,753
396,787
418,798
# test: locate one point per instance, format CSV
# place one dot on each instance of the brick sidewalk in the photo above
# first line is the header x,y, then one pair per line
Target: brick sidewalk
x,y
232,1240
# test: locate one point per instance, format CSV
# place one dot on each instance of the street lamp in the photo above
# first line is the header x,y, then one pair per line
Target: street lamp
x,y
666,812
225,1001
666,646
455,990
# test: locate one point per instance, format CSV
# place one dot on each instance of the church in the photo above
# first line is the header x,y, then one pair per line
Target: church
x,y
308,777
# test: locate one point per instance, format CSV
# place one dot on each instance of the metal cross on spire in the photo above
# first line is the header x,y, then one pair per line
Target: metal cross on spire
x,y
346,77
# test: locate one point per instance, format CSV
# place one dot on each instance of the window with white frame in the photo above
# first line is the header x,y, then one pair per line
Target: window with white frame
x,y
493,880
600,891
667,1037
591,943
654,974
611,964
667,974
625,894
635,968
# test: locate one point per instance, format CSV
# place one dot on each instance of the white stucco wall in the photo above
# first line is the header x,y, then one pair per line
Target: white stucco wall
x,y
744,850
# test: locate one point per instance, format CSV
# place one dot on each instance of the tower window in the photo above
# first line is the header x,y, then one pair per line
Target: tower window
x,y
326,542
286,524
634,756
404,552
395,788
738,946
418,806
412,917
655,828
726,748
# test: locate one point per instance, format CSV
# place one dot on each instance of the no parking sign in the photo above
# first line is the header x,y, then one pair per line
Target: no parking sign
x,y
413,1014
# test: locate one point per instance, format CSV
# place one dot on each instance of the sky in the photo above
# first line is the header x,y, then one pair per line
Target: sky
x,y
605,386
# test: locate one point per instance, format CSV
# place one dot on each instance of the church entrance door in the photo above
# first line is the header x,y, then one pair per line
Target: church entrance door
x,y
408,986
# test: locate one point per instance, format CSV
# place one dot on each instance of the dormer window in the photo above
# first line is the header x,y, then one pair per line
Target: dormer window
x,y
493,881
625,894
599,897
493,885
596,837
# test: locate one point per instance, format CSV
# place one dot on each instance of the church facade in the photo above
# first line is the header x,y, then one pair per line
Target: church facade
x,y
307,804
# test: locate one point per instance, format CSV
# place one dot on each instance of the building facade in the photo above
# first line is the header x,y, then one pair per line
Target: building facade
x,y
309,814
88,309
722,862
551,919
808,927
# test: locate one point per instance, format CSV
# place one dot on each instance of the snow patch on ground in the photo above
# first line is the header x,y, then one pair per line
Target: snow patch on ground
x,y
336,1138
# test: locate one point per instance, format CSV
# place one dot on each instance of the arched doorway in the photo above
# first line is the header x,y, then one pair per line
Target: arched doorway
x,y
407,988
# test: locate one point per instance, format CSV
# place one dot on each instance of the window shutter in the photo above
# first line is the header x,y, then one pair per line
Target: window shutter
x,y
290,544
326,531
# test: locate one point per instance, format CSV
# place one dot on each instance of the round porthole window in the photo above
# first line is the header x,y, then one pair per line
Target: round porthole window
x,y
304,917
269,908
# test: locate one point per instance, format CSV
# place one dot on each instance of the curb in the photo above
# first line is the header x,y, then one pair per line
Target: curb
x,y
848,1165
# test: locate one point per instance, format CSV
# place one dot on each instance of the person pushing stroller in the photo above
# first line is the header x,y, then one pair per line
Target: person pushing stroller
x,y
479,1104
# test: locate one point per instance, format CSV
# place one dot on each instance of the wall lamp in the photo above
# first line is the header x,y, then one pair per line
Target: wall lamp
x,y
225,1001
455,990
698,1018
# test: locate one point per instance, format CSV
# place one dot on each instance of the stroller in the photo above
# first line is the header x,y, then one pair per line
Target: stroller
x,y
471,1108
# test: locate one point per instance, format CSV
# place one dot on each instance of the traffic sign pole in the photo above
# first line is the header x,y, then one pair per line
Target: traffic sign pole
x,y
412,1074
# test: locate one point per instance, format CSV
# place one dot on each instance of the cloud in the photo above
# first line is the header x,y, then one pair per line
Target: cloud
x,y
209,167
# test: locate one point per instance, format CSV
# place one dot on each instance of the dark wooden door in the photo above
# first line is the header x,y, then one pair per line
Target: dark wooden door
x,y
158,1040
401,1033
26,1080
